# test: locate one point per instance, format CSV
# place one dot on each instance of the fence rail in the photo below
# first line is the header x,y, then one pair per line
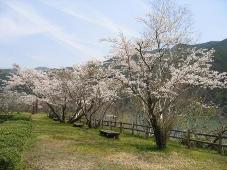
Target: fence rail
x,y
187,136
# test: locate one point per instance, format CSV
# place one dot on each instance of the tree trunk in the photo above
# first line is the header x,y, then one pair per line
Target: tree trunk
x,y
160,134
160,137
77,115
89,123
36,105
53,111
63,118
63,113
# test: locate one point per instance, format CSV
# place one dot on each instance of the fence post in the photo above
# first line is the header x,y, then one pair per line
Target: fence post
x,y
220,148
102,123
132,128
147,132
189,139
111,125
120,127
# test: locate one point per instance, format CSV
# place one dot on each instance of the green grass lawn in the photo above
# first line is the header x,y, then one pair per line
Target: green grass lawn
x,y
61,146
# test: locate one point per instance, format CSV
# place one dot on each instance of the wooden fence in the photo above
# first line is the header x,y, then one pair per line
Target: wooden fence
x,y
219,141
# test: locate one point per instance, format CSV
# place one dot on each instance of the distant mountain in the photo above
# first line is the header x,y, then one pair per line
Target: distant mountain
x,y
4,73
207,45
42,68
220,64
220,47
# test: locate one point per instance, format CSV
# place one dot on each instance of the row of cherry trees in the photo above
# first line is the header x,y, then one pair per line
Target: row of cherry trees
x,y
84,90
158,68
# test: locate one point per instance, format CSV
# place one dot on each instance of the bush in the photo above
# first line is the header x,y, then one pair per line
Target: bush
x,y
4,117
10,159
15,116
21,116
13,135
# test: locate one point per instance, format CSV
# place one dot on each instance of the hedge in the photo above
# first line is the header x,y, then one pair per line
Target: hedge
x,y
15,116
13,135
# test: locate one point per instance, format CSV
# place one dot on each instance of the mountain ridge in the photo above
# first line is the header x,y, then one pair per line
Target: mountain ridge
x,y
220,59
220,55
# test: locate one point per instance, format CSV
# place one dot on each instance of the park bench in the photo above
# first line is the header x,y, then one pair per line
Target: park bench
x,y
55,119
78,125
109,134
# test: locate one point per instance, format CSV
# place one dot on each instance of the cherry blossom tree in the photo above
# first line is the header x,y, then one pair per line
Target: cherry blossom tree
x,y
91,90
43,85
9,102
160,69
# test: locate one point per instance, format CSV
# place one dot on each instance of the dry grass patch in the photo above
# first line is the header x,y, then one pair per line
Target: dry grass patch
x,y
50,154
158,161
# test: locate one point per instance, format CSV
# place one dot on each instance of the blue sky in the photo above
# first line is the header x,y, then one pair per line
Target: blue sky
x,y
58,33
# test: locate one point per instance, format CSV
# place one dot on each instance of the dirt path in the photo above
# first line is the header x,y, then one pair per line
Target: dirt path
x,y
49,147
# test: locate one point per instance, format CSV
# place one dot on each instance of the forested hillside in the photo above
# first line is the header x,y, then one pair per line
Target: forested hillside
x,y
220,47
4,73
220,64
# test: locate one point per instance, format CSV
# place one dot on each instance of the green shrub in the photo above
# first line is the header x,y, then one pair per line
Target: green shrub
x,y
21,116
13,135
10,159
4,117
15,116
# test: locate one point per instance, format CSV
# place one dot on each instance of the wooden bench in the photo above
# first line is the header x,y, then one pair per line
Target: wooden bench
x,y
55,119
109,134
78,125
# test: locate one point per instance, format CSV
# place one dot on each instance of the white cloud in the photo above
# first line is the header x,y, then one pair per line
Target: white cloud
x,y
92,16
43,25
14,27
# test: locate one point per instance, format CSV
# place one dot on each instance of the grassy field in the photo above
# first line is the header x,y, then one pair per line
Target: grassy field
x,y
60,146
